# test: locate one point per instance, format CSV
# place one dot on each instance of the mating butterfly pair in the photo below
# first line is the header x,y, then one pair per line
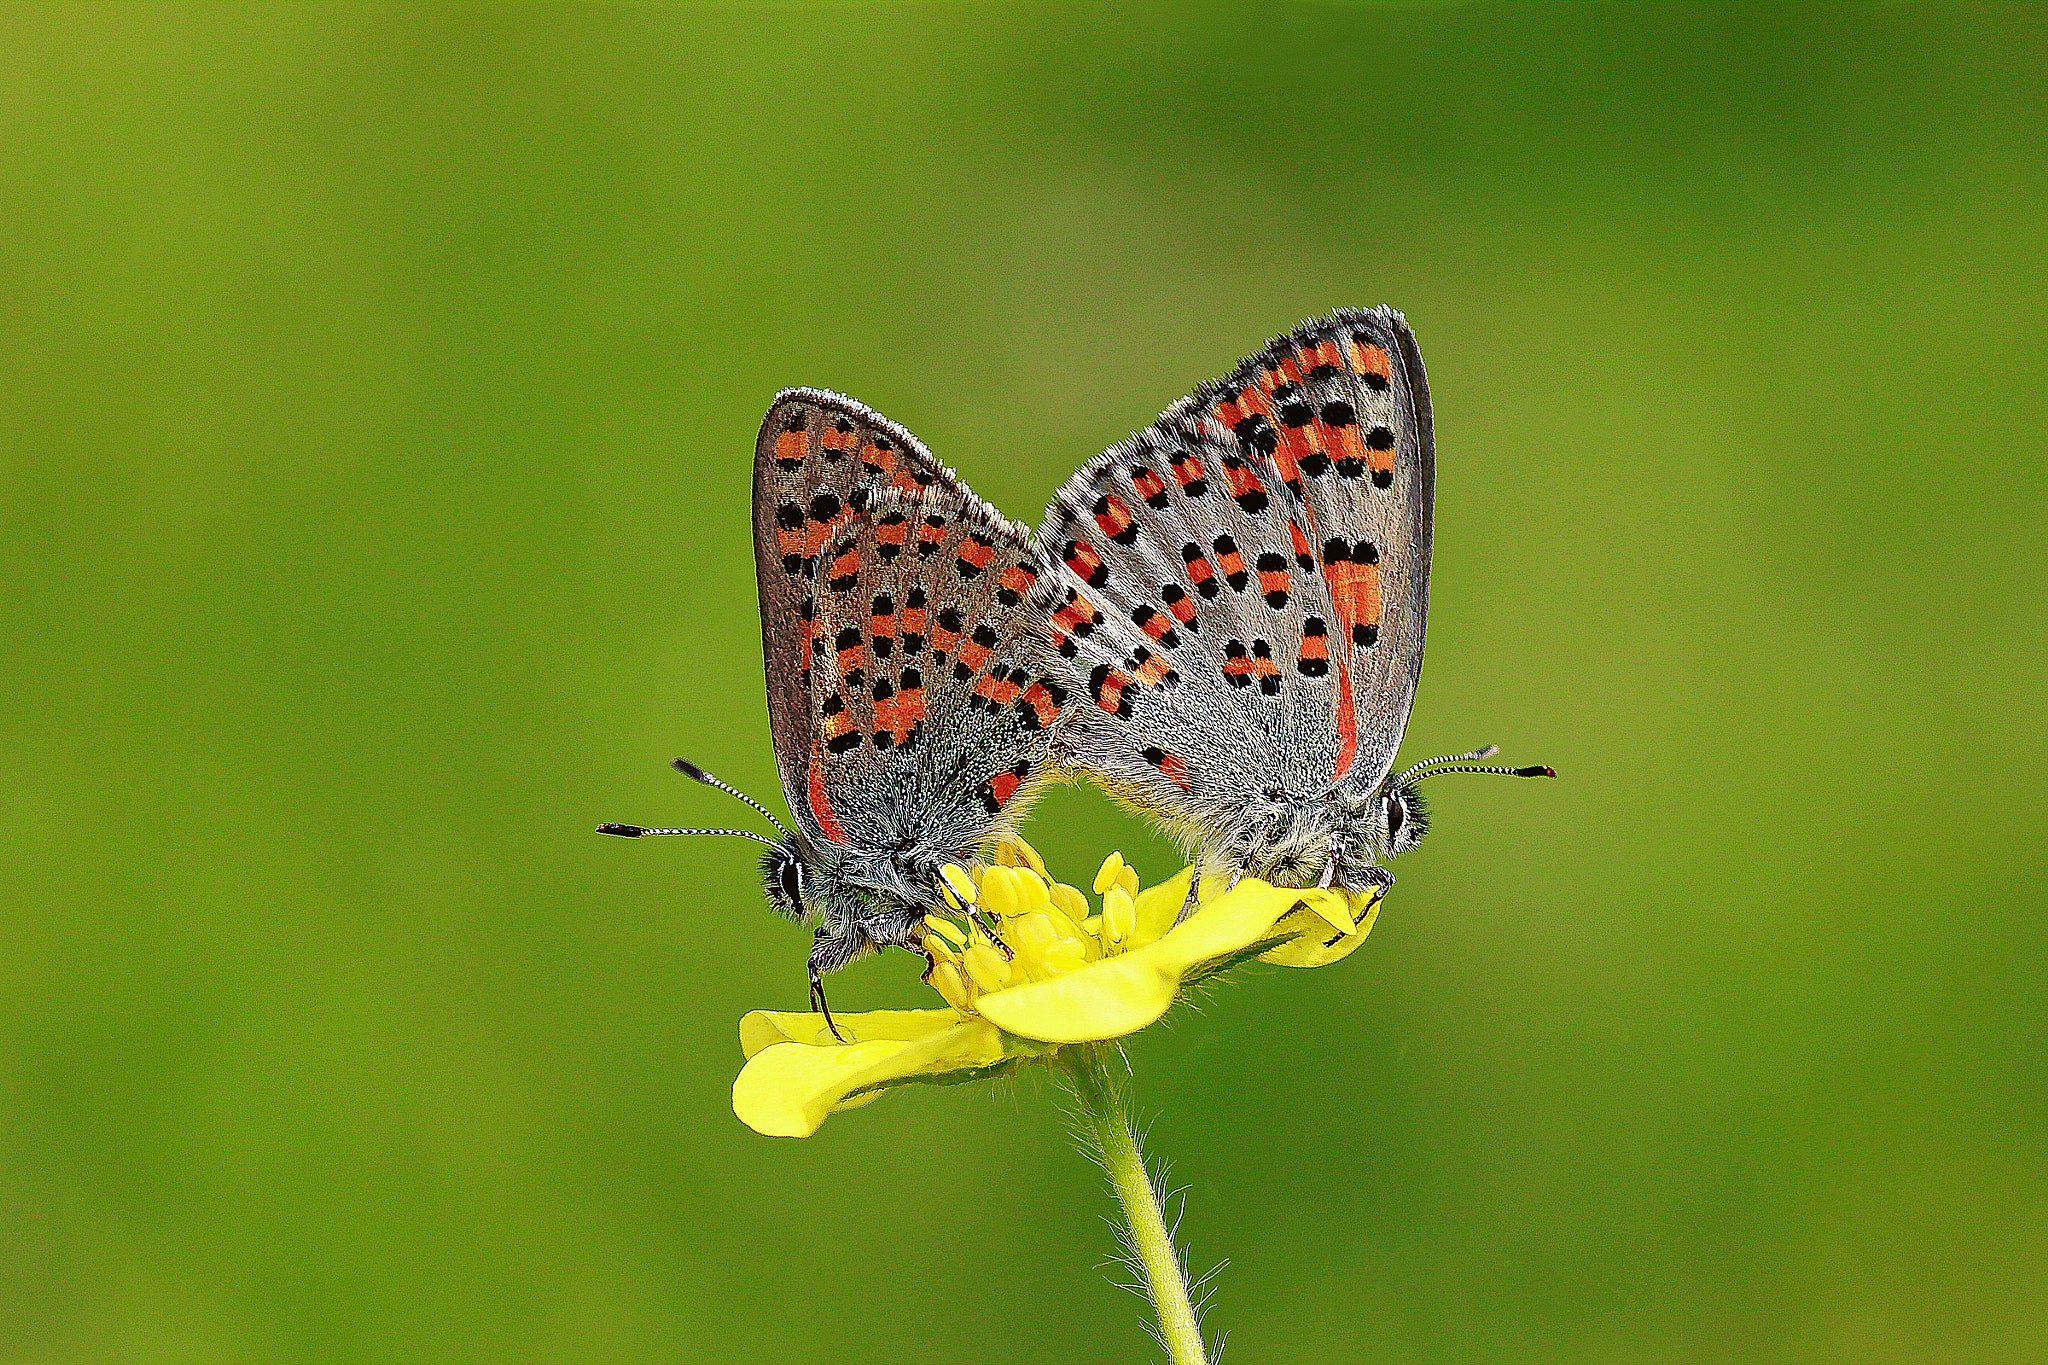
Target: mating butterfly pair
x,y
1221,620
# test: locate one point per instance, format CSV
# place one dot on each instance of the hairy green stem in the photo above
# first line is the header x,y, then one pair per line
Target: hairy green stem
x,y
1087,1074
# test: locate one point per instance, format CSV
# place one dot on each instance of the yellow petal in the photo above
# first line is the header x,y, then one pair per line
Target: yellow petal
x,y
1333,906
765,1028
1158,906
1122,994
1033,895
788,1089
1112,868
1313,945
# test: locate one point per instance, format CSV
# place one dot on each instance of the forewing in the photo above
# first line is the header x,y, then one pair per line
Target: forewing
x,y
1343,408
932,726
820,457
1219,643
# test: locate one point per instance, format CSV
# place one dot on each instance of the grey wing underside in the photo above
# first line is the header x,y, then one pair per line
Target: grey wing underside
x,y
1233,582
932,726
819,458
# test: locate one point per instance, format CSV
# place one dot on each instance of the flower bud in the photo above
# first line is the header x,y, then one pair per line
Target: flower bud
x,y
999,893
1048,946
1119,916
1015,852
945,978
962,885
1070,901
942,930
987,968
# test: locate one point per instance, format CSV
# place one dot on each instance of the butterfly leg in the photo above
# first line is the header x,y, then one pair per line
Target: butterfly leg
x,y
818,1002
1187,907
826,953
988,926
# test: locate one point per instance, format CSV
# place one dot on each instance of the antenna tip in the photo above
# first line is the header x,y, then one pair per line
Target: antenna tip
x,y
689,769
1535,772
628,831
1488,752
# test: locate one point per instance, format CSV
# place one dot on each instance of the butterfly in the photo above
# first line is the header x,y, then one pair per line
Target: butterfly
x,y
909,730
1238,598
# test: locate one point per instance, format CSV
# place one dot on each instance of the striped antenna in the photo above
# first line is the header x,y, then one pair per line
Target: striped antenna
x,y
1509,772
1488,752
637,832
1435,767
689,769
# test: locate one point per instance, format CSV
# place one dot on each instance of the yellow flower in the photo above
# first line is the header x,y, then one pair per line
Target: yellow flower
x,y
1073,975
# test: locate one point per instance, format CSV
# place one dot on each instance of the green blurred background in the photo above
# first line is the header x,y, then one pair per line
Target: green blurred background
x,y
379,384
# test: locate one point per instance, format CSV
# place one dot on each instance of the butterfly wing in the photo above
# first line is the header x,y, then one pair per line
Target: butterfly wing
x,y
930,727
1239,591
819,459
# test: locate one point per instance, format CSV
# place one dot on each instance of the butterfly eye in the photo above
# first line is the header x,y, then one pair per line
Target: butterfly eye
x,y
792,878
1397,816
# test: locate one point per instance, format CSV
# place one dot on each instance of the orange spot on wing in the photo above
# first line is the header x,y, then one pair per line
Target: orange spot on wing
x,y
974,654
1240,479
1044,709
1347,724
846,564
909,710
1114,518
1176,769
1016,581
996,690
1355,592
1083,560
1077,611
792,446
1377,459
1368,359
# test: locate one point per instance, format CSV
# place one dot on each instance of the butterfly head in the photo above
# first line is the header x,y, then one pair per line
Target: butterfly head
x,y
789,871
784,879
1403,819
